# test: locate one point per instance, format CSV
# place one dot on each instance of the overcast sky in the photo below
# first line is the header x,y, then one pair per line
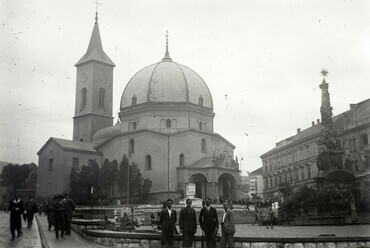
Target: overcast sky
x,y
260,59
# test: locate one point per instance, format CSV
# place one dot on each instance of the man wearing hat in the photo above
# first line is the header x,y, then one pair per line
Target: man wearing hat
x,y
69,208
167,219
188,224
16,208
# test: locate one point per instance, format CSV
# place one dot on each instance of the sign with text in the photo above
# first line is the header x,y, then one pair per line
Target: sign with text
x,y
190,190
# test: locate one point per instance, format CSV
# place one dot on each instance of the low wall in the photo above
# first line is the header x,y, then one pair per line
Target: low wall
x,y
152,240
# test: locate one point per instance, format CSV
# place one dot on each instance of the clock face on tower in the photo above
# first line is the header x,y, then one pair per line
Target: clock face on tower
x,y
83,76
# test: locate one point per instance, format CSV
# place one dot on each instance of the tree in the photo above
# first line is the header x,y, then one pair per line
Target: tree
x,y
105,177
122,175
113,175
15,176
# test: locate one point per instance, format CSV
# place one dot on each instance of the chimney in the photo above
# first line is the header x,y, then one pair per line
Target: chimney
x,y
318,121
298,130
313,123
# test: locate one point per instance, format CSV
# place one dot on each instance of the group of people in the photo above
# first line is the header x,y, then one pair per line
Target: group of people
x,y
258,218
59,212
208,221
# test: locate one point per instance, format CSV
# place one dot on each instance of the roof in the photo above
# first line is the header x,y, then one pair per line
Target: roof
x,y
166,81
95,50
256,172
341,122
71,145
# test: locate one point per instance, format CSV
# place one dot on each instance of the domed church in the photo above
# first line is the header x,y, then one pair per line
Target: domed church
x,y
165,126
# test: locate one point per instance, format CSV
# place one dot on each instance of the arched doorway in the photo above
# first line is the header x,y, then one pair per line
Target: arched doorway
x,y
227,186
200,182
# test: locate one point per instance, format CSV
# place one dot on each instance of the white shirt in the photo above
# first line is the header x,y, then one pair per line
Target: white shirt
x,y
169,212
208,208
223,217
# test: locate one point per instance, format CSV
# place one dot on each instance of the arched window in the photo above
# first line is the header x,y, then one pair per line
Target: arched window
x,y
182,159
82,139
131,146
133,100
84,98
101,97
134,125
200,100
148,162
204,146
200,125
168,123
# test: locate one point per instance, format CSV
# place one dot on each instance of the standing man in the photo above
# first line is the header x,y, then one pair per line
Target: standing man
x,y
70,207
31,209
228,226
16,209
208,221
188,224
167,219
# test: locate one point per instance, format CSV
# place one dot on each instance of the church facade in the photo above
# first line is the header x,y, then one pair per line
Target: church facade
x,y
165,126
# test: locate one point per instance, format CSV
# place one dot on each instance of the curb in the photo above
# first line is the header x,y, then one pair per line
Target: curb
x,y
44,242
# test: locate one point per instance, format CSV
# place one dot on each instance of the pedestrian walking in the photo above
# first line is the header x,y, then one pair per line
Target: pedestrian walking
x,y
188,224
31,209
227,226
247,206
59,216
257,217
69,208
51,212
168,219
16,209
270,218
208,221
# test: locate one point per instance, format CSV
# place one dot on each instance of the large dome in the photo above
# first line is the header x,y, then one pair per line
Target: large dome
x,y
166,81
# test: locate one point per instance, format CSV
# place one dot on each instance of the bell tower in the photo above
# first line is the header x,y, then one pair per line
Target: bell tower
x,y
94,90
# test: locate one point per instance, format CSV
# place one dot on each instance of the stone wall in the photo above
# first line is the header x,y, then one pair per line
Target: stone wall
x,y
141,240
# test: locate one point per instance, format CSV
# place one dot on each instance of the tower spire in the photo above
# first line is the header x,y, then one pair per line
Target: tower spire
x,y
96,11
167,54
326,109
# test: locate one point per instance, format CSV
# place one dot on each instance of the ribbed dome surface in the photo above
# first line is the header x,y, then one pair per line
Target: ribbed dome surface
x,y
166,81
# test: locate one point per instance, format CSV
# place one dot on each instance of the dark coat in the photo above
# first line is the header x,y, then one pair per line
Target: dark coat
x,y
208,220
16,209
188,220
167,223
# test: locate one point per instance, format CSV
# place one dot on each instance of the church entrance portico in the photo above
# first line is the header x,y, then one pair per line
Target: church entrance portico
x,y
200,182
227,186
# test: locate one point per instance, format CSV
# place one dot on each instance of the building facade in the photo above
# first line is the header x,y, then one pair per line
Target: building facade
x,y
293,162
165,126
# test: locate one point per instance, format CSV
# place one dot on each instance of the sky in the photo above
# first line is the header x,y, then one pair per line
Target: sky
x,y
261,60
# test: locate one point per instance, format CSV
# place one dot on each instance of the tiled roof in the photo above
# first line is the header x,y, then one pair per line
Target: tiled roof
x,y
75,145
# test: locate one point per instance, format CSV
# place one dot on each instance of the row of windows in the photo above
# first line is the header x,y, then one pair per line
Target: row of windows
x,y
299,154
131,146
290,176
84,98
352,143
134,100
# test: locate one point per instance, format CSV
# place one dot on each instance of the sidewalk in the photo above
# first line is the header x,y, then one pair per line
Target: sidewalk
x,y
29,239
72,241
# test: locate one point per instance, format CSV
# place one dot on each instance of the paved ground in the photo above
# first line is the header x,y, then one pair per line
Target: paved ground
x,y
29,239
72,241
31,236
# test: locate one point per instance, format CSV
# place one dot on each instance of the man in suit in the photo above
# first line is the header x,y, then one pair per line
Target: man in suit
x,y
208,221
167,220
228,226
188,224
16,208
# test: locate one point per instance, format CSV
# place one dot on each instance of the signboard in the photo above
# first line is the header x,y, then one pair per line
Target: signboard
x,y
190,190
